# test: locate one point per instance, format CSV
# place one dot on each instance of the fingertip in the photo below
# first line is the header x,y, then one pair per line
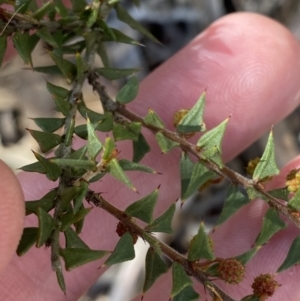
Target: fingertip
x,y
11,214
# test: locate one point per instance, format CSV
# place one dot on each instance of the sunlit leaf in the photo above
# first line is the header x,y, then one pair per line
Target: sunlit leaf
x,y
267,165
165,143
294,202
153,119
127,165
94,144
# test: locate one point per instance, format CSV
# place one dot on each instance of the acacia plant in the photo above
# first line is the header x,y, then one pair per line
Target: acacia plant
x,y
80,32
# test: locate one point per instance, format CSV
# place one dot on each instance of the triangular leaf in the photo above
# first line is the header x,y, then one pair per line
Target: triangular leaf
x,y
164,222
47,202
94,144
49,125
234,200
113,73
76,257
200,175
143,208
153,119
247,256
123,251
155,267
68,194
34,167
165,143
28,239
53,170
57,91
117,172
193,120
272,223
254,194
46,141
180,279
75,163
127,165
118,37
129,91
187,294
140,148
73,240
3,46
51,70
71,218
293,256
267,165
280,193
211,143
200,246
123,16
46,226
79,153
45,34
186,170
67,68
126,131
294,202
103,55
81,195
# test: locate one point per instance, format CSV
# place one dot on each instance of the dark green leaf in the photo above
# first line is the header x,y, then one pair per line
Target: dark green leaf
x,y
186,170
117,172
193,120
61,280
87,113
79,153
81,65
234,200
113,73
81,195
46,35
106,124
68,195
34,167
42,11
272,223
140,148
123,16
164,222
127,165
47,202
143,208
103,55
78,5
52,70
119,37
153,119
53,170
280,193
46,226
57,91
251,298
180,279
46,141
75,257
3,46
155,267
24,43
60,8
200,246
211,143
21,6
75,163
200,175
67,68
165,143
49,125
123,251
294,202
28,239
126,131
129,91
187,294
81,131
94,145
73,240
267,165
71,218
293,256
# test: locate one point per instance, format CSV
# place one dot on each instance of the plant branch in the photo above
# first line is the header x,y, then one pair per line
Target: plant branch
x,y
173,255
186,146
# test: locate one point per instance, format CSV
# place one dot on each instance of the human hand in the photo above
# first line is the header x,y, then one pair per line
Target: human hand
x,y
250,66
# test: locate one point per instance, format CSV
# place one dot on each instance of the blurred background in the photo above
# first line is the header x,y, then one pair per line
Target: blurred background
x,y
174,23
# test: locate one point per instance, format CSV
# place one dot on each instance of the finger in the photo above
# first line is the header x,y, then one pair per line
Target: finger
x,y
205,63
11,209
